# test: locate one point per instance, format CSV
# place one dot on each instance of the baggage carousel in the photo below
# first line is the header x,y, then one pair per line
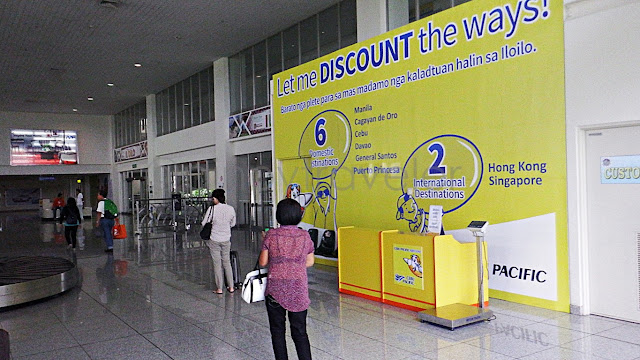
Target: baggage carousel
x,y
29,278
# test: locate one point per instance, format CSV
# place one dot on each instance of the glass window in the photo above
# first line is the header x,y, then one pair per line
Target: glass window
x,y
193,178
158,114
247,79
195,100
348,23
275,55
143,120
172,108
130,125
116,125
309,39
290,50
167,176
211,175
206,95
121,136
186,88
413,10
266,159
123,127
430,7
121,139
212,108
185,104
133,125
261,81
316,36
177,179
196,178
328,25
235,85
179,106
165,110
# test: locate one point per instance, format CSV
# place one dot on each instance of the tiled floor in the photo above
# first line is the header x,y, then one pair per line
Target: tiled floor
x,y
152,299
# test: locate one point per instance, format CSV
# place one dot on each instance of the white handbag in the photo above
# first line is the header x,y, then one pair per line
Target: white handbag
x,y
254,285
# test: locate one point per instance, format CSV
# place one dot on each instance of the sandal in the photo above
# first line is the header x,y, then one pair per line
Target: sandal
x,y
218,292
231,290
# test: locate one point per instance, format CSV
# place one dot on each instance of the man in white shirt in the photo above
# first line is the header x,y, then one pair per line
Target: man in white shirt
x,y
79,200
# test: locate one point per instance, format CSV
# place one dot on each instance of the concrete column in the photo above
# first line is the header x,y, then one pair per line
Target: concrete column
x,y
225,159
115,187
372,18
154,172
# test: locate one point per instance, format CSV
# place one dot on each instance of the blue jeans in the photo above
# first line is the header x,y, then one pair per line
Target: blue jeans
x,y
298,324
107,227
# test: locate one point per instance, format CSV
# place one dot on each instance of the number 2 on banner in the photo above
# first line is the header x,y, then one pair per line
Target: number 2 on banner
x,y
436,168
321,133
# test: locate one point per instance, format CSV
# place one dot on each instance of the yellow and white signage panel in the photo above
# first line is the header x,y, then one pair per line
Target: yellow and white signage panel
x,y
465,110
407,266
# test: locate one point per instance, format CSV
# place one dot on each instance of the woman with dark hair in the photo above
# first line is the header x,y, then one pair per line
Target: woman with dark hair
x,y
288,251
70,217
222,218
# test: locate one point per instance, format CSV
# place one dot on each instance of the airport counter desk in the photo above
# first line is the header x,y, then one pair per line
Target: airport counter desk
x,y
408,270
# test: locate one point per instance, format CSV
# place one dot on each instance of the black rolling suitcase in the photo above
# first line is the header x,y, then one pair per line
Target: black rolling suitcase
x,y
327,245
235,270
313,233
4,345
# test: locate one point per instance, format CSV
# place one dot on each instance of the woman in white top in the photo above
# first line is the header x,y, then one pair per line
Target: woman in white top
x,y
223,218
79,200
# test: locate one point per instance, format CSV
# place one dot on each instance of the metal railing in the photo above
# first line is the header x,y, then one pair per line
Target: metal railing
x,y
174,214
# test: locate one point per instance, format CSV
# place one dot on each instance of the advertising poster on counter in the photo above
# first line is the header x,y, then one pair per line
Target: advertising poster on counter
x,y
407,266
464,110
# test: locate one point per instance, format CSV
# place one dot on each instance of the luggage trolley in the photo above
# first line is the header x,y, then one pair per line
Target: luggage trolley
x,y
456,315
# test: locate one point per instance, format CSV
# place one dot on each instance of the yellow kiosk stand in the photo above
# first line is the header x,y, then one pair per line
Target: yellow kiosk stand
x,y
456,315
413,271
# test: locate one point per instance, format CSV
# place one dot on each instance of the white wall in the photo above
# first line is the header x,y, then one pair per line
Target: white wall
x,y
602,89
192,138
254,144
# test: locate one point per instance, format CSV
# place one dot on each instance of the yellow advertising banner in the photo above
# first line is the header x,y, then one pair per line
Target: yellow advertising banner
x,y
464,109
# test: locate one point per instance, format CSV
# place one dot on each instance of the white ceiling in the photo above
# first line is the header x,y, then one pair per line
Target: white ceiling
x,y
56,53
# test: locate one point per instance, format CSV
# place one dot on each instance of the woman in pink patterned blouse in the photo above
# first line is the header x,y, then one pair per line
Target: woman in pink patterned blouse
x,y
289,252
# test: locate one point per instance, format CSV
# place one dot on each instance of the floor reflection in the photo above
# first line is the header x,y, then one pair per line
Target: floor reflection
x,y
152,299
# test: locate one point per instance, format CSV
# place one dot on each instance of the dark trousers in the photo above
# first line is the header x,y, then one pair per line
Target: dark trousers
x,y
298,324
107,227
70,234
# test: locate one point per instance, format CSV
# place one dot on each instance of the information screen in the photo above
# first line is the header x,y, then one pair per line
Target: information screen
x,y
43,147
477,224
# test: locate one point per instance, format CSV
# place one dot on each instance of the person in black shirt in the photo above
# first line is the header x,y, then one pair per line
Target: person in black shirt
x,y
71,218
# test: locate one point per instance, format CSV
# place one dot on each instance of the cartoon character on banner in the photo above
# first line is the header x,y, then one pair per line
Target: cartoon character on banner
x,y
324,146
427,179
293,192
408,210
324,194
414,264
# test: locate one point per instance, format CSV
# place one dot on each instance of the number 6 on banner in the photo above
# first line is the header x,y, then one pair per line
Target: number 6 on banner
x,y
321,133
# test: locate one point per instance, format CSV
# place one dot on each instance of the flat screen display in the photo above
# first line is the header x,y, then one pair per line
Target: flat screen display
x,y
477,224
43,147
